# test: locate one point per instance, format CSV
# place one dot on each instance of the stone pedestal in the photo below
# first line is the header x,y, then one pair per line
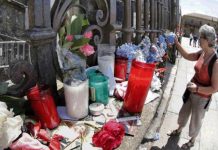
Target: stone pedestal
x,y
41,37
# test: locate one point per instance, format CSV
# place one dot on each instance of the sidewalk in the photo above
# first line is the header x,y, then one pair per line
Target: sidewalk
x,y
207,137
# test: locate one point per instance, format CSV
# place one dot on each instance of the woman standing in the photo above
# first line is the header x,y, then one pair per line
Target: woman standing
x,y
201,86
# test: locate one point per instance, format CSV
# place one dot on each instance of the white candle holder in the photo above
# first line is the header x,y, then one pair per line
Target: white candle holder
x,y
77,99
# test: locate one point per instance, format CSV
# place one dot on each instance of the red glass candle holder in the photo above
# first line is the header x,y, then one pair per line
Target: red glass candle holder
x,y
121,68
138,85
43,106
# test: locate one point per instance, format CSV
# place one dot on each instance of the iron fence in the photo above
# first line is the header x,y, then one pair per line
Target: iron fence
x,y
11,51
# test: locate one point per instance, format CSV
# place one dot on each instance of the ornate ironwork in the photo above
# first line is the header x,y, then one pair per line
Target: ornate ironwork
x,y
102,13
152,15
97,33
146,14
101,17
23,75
127,29
158,14
58,13
139,31
155,14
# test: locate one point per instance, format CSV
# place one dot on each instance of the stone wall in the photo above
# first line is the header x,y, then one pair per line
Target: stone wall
x,y
12,19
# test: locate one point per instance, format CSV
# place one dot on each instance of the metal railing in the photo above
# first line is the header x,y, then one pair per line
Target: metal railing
x,y
11,51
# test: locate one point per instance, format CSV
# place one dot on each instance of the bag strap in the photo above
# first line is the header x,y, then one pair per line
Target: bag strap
x,y
211,63
210,69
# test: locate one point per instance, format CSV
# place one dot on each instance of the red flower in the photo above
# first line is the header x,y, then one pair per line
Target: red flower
x,y
88,35
43,135
110,136
87,49
55,142
69,38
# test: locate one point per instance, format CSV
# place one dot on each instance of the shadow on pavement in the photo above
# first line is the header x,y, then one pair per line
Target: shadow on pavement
x,y
172,144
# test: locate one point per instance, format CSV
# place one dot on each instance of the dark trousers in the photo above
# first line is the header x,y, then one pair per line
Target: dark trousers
x,y
190,42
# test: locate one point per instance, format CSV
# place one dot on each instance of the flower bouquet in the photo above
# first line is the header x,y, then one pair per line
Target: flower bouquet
x,y
128,51
73,49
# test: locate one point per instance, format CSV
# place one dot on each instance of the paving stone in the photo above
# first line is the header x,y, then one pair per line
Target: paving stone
x,y
169,123
214,102
179,85
175,104
172,143
173,71
209,132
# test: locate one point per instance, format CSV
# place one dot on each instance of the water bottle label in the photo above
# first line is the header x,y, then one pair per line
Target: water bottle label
x,y
92,94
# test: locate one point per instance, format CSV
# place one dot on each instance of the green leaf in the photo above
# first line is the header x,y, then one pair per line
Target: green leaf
x,y
68,27
62,32
76,24
62,35
85,22
78,43
67,45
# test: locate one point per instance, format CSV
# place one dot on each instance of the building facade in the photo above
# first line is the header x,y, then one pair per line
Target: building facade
x,y
192,22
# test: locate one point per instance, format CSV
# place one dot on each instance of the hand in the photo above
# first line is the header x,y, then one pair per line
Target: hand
x,y
192,87
176,39
169,45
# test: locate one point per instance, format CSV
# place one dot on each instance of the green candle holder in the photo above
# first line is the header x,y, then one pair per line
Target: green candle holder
x,y
98,85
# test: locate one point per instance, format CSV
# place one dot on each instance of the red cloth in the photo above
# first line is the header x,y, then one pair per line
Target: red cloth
x,y
110,136
39,134
26,142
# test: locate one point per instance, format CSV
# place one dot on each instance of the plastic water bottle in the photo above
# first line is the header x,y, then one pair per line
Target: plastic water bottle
x,y
171,38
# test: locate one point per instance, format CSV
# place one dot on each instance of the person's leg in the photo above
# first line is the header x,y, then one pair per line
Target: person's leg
x,y
184,114
198,113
